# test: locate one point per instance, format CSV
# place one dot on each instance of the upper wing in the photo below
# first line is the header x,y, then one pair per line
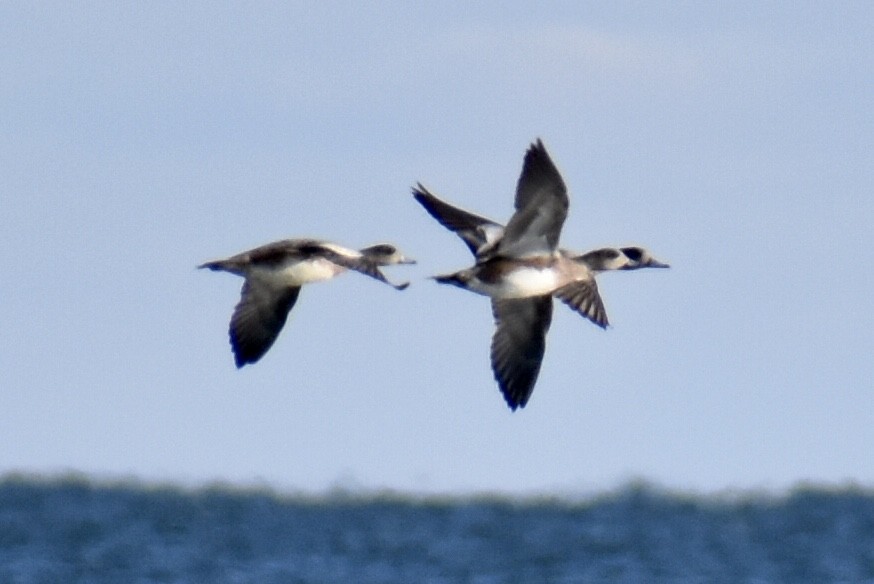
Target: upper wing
x,y
518,345
541,207
270,254
583,297
359,264
258,318
477,232
539,174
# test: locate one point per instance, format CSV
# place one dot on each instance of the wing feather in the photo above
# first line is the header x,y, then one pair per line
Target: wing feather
x,y
583,297
257,320
518,345
541,207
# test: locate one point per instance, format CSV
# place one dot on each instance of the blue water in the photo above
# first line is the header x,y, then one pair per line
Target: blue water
x,y
73,530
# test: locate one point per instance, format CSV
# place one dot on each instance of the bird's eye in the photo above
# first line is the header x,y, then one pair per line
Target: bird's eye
x,y
633,253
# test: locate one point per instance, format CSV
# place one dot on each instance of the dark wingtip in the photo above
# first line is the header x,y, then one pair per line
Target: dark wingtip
x,y
242,357
419,191
241,360
511,394
403,286
512,402
424,197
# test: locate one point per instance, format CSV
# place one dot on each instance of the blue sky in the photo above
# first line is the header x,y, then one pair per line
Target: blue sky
x,y
734,140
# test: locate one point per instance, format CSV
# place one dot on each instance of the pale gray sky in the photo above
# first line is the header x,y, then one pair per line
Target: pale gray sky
x,y
734,140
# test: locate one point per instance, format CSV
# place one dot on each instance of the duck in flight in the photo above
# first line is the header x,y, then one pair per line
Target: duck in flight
x,y
521,268
274,274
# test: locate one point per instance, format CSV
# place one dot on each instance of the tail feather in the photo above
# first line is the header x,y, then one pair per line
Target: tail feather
x,y
224,266
453,279
214,266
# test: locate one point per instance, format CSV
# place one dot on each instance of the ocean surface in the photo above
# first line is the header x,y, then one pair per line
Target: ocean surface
x,y
74,530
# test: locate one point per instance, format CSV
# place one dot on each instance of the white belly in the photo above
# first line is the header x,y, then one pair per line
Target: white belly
x,y
299,273
522,283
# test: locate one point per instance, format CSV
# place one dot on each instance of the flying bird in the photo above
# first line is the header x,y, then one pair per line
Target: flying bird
x,y
274,274
521,268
